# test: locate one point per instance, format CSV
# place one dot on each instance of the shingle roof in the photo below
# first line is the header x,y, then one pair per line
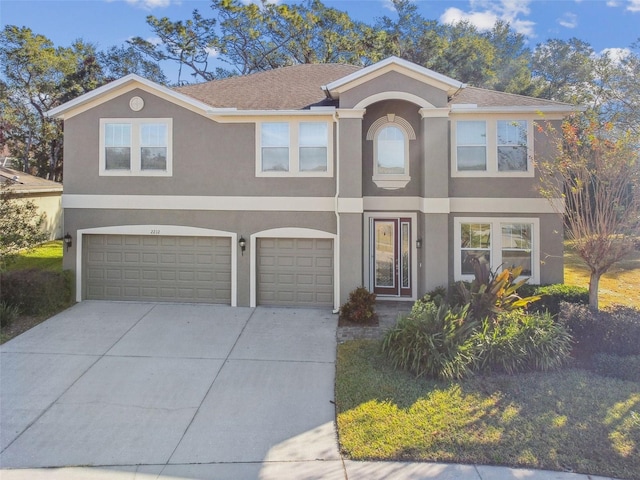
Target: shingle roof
x,y
299,86
21,182
491,98
287,88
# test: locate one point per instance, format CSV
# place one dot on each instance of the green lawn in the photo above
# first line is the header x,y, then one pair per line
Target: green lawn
x,y
568,420
620,285
47,256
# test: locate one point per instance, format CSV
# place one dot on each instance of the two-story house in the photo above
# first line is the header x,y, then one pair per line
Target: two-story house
x,y
294,186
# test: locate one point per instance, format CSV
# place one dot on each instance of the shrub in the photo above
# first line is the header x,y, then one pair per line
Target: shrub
x,y
614,366
37,292
8,313
430,341
359,308
518,341
614,331
553,295
492,293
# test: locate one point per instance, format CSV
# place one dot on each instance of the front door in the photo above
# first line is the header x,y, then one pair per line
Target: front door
x,y
391,259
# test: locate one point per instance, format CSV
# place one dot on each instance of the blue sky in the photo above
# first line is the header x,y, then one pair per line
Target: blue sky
x,y
605,24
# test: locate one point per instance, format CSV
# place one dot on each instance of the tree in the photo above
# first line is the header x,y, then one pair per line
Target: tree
x,y
596,170
190,43
37,76
20,226
119,61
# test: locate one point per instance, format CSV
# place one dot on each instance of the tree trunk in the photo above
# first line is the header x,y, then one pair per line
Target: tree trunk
x,y
594,280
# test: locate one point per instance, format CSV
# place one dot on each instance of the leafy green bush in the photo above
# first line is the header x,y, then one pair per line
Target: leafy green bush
x,y
614,366
8,313
614,331
492,293
518,341
360,307
553,295
37,292
430,341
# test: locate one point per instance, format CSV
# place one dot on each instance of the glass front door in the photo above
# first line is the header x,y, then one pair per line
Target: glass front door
x,y
391,258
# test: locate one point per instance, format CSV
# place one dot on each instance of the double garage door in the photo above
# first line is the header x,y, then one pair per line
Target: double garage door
x,y
158,268
297,272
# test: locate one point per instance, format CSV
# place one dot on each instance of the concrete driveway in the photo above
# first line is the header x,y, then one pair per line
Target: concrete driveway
x,y
182,391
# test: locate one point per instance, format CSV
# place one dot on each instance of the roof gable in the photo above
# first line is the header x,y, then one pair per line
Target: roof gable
x,y
118,87
394,64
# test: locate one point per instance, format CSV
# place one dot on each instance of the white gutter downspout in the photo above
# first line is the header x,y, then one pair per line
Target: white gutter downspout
x,y
336,287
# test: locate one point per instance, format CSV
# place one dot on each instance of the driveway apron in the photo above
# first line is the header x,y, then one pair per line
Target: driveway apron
x,y
186,391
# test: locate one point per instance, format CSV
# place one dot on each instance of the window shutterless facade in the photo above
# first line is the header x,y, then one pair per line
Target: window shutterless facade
x,y
498,243
136,147
498,147
294,148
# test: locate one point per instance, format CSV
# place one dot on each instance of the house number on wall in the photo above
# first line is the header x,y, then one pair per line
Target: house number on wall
x,y
155,232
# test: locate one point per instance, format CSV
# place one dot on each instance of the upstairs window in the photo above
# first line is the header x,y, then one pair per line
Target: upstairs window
x,y
136,147
512,146
390,135
295,148
495,147
472,146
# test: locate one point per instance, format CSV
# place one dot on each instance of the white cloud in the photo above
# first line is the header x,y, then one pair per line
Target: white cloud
x,y
634,6
568,20
616,54
212,52
613,3
150,4
483,14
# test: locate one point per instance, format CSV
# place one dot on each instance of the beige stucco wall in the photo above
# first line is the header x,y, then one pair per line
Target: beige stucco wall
x,y
209,158
50,205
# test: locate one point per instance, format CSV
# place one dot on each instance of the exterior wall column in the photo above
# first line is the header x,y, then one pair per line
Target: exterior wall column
x,y
433,263
349,181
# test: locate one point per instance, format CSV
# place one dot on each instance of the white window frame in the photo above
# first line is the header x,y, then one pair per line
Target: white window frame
x,y
495,247
386,180
135,169
492,146
294,148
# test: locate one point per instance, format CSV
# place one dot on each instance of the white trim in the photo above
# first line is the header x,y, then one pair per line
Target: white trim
x,y
367,256
552,112
434,112
312,204
496,244
135,166
294,149
163,230
351,113
350,205
395,95
503,205
290,232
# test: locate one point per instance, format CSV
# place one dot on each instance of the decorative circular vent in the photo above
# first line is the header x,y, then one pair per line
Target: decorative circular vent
x,y
136,104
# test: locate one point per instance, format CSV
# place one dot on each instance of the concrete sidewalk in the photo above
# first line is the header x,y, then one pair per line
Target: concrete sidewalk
x,y
125,391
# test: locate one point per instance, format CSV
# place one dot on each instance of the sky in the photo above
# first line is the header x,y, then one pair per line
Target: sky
x,y
604,24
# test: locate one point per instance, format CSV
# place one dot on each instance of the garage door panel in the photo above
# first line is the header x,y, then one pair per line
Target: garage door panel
x,y
295,271
156,268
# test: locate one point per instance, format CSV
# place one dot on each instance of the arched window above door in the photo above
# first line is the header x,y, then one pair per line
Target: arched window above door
x,y
390,135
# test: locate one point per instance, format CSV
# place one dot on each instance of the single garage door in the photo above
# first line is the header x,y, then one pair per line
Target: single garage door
x,y
295,272
157,268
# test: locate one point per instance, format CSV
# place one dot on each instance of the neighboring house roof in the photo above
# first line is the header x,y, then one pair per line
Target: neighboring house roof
x,y
288,88
20,182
